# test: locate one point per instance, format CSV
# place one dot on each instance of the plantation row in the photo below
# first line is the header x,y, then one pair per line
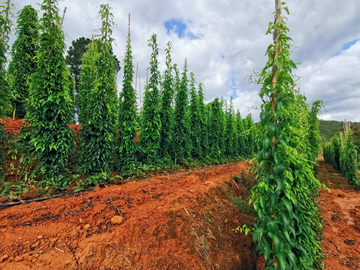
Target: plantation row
x,y
174,125
340,152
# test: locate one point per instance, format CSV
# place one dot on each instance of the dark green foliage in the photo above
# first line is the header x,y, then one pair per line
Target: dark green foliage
x,y
204,124
240,135
49,95
74,55
23,62
74,61
314,137
335,158
127,117
196,129
249,138
167,111
181,139
231,144
348,159
98,101
341,153
215,129
246,135
222,134
5,24
287,225
151,124
252,135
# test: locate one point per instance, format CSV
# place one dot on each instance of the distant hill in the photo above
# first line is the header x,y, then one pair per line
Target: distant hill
x,y
329,128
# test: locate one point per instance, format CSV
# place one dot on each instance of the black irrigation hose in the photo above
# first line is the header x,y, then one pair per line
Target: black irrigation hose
x,y
88,189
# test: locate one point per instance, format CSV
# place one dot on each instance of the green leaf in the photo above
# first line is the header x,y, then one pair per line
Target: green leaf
x,y
273,128
279,168
263,117
266,143
281,256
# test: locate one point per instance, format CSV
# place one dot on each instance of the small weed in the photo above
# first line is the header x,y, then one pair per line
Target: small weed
x,y
242,205
207,219
242,229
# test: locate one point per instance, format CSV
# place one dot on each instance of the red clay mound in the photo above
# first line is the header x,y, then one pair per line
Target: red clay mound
x,y
13,126
178,221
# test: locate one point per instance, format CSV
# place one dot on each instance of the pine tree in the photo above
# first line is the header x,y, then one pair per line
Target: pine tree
x,y
74,61
151,124
23,62
98,101
127,117
181,139
195,121
49,96
167,111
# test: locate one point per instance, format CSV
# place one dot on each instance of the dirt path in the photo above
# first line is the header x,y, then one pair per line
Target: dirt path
x,y
341,210
179,221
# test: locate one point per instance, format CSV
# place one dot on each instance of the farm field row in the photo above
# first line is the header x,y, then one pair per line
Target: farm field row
x,y
176,221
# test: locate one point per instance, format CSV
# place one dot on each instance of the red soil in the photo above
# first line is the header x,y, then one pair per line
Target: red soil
x,y
178,221
162,223
341,210
13,126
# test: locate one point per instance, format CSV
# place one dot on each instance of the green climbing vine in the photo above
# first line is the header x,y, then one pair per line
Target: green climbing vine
x,y
98,101
287,222
49,98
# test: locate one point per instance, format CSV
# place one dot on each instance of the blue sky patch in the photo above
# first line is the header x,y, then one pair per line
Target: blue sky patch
x,y
179,28
233,87
346,46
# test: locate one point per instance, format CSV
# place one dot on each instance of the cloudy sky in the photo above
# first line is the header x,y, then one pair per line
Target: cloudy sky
x,y
224,41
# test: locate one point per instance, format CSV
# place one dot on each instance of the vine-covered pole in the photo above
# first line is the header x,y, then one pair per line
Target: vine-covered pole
x,y
139,93
288,221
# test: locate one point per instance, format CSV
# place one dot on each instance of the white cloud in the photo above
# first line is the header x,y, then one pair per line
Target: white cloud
x,y
235,29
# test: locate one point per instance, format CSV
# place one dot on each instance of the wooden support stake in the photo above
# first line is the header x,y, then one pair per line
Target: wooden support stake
x,y
278,19
129,28
139,93
62,18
